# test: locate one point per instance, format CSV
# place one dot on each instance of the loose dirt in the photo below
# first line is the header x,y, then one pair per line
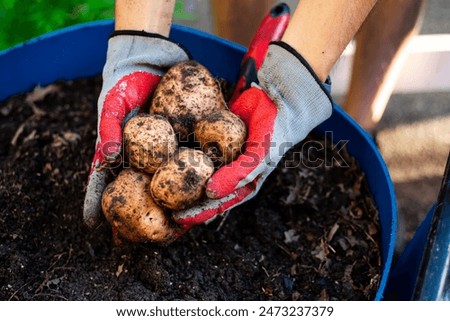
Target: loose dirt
x,y
312,233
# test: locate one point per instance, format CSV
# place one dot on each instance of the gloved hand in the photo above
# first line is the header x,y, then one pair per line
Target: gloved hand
x,y
135,62
289,102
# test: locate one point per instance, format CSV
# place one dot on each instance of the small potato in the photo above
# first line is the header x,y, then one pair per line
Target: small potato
x,y
185,94
221,135
129,207
149,141
181,182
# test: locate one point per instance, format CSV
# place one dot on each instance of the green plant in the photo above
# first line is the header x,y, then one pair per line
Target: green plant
x,y
21,20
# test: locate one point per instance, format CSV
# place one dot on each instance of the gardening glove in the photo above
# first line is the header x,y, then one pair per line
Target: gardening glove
x,y
135,63
289,102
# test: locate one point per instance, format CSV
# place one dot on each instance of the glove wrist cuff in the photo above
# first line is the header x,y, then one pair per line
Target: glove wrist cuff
x,y
302,99
132,50
150,36
324,86
142,33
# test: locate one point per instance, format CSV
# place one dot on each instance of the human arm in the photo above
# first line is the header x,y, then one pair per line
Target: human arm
x,y
150,16
321,29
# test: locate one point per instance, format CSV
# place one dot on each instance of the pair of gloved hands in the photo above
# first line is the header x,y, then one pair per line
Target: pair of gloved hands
x,y
287,104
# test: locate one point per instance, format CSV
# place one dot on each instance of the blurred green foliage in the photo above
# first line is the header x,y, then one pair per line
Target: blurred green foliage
x,y
21,20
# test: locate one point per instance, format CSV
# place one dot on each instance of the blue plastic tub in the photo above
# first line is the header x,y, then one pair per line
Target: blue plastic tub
x,y
80,51
405,271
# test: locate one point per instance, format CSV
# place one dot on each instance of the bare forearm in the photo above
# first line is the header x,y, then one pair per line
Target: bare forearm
x,y
153,16
321,29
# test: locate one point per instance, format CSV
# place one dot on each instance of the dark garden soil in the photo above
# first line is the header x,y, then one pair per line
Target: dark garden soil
x,y
312,233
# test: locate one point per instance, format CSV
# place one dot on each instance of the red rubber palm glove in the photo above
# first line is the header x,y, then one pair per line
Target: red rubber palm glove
x,y
288,104
134,65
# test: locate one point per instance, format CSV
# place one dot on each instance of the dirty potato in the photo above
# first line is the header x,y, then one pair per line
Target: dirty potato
x,y
187,93
221,136
129,208
149,141
181,182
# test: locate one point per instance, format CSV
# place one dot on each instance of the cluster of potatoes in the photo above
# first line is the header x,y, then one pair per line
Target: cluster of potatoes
x,y
167,172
